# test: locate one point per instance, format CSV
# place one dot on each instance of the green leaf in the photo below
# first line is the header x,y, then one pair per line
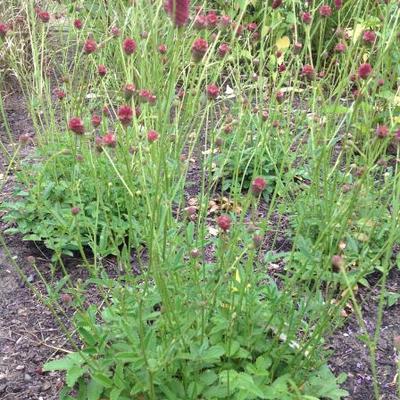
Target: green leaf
x,y
94,390
213,353
64,363
73,374
102,379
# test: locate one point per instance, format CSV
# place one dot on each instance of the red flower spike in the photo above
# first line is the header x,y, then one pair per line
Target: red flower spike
x,y
338,4
306,18
78,24
325,10
225,21
223,50
60,94
109,139
129,46
369,37
212,91
178,11
162,48
44,16
102,70
115,31
96,120
125,114
199,49
200,22
258,186
340,48
364,71
212,20
382,131
276,4
152,136
90,46
129,90
76,125
308,71
3,30
224,222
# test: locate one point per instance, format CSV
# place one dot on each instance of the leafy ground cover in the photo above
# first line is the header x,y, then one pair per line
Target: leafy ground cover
x,y
226,173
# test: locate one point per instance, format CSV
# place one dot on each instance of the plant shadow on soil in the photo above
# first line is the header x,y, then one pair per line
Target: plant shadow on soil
x,y
29,336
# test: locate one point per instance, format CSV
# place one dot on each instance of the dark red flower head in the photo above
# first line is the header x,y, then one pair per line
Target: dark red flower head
x,y
224,222
199,49
338,4
325,10
223,50
369,37
308,71
96,120
178,10
212,91
258,186
364,70
3,30
78,24
212,20
276,4
60,94
152,136
76,125
90,46
102,70
44,16
306,18
129,46
340,48
115,31
129,90
200,22
224,21
162,49
125,114
382,131
109,139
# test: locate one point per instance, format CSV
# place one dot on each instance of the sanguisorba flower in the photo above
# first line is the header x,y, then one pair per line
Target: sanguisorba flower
x,y
78,24
44,16
178,10
76,125
96,120
152,136
129,90
90,46
125,114
129,46
325,10
306,17
369,37
382,131
3,30
199,49
338,4
102,70
109,139
364,70
223,49
258,185
340,47
212,20
308,71
212,91
276,4
162,49
224,222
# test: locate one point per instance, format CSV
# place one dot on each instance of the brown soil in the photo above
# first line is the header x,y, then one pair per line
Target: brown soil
x,y
29,335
